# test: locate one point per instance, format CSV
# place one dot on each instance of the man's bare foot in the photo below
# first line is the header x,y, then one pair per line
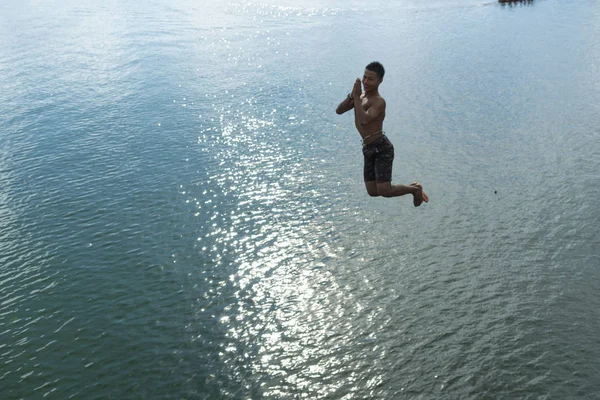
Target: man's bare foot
x,y
419,196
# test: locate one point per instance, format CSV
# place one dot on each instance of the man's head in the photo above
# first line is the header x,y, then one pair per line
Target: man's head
x,y
373,76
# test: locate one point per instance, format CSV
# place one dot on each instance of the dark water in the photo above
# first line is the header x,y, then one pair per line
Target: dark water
x,y
182,214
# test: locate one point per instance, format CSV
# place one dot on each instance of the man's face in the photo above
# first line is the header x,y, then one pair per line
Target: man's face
x,y
370,80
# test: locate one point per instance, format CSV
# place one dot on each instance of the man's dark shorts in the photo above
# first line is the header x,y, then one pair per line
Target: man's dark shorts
x,y
379,156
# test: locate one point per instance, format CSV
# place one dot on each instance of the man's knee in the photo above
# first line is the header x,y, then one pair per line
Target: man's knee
x,y
371,187
372,191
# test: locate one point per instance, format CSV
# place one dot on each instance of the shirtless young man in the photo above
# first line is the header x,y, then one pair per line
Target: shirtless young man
x,y
378,151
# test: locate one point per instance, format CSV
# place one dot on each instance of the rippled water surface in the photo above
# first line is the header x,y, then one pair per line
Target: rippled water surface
x,y
182,213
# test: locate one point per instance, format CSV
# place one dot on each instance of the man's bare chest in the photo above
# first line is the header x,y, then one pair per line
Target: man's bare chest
x,y
366,103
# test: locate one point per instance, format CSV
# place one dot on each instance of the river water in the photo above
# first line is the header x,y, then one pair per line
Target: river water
x,y
182,213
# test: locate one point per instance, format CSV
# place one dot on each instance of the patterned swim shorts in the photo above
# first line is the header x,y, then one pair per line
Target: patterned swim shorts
x,y
379,156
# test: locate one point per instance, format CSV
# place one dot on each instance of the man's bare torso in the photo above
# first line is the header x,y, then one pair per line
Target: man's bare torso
x,y
376,125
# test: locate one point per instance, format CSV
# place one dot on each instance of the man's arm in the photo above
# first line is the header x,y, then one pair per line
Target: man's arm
x,y
366,117
346,105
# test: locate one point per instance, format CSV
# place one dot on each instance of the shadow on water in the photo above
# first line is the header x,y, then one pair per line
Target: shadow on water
x,y
515,3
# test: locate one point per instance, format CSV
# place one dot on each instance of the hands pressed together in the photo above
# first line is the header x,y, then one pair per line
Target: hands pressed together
x,y
357,89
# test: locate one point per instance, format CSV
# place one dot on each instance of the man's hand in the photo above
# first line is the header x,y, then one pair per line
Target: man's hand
x,y
357,89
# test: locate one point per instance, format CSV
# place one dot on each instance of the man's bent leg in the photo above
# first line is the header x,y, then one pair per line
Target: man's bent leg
x,y
386,189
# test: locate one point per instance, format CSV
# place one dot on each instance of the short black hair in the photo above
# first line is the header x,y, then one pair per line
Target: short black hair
x,y
376,67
